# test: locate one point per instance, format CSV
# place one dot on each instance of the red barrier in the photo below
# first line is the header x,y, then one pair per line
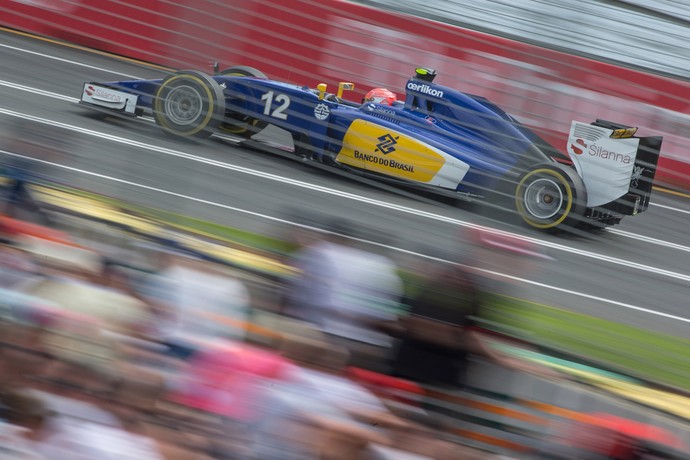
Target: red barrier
x,y
313,41
129,28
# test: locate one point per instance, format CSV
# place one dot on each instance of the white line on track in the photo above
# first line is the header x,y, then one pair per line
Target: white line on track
x,y
276,219
670,208
30,89
352,196
651,240
69,61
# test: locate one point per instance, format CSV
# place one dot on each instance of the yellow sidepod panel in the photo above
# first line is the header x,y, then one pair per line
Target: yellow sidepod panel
x,y
382,150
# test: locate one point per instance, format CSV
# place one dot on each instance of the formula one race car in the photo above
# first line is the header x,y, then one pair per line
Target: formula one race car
x,y
437,137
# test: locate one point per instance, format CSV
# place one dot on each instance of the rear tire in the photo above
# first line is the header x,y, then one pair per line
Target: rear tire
x,y
550,196
189,104
235,123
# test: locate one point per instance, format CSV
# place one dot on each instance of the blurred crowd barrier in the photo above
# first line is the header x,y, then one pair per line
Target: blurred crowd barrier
x,y
331,41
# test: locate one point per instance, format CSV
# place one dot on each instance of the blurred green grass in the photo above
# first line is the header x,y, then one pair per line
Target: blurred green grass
x,y
626,349
236,236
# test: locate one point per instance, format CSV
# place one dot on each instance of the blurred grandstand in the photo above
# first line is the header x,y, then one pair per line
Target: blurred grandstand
x,y
637,33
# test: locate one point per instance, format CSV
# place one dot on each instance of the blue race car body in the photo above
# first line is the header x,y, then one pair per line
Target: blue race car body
x,y
438,137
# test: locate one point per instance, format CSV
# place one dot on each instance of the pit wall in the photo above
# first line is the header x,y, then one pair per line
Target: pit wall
x,y
314,41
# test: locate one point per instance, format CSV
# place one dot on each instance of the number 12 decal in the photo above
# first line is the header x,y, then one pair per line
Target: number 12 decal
x,y
278,112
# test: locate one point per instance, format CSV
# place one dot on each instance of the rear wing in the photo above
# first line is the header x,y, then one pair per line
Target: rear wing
x,y
617,167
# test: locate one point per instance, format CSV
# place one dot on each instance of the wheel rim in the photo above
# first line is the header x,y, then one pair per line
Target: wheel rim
x,y
543,198
183,105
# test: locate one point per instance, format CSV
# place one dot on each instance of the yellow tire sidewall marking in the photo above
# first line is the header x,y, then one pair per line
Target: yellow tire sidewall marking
x,y
520,205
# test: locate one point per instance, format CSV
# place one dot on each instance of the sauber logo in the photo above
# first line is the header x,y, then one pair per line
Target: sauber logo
x,y
321,111
90,90
636,176
578,150
387,144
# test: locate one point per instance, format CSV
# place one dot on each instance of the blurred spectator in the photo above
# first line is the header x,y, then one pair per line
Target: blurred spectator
x,y
28,144
113,276
75,366
434,335
196,304
16,266
601,435
22,419
230,380
40,433
86,334
73,279
321,373
223,378
59,258
30,428
23,354
440,331
86,357
317,411
347,292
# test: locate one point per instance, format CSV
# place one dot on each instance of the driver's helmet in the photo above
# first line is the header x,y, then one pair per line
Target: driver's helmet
x,y
380,96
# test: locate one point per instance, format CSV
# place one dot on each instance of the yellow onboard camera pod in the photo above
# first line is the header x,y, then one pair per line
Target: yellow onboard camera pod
x,y
344,86
623,133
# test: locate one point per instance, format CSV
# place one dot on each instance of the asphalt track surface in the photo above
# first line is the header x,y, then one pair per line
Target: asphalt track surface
x,y
637,273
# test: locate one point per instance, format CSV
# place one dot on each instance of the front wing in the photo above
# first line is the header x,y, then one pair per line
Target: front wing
x,y
98,95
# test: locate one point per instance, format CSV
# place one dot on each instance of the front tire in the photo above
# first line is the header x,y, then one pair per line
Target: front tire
x,y
189,104
550,196
236,123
